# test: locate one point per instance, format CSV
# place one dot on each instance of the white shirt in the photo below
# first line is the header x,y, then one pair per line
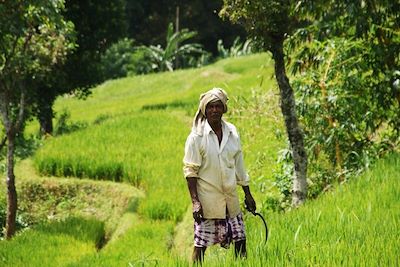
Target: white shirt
x,y
219,169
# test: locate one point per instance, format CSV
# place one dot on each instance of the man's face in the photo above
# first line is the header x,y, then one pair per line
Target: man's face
x,y
214,111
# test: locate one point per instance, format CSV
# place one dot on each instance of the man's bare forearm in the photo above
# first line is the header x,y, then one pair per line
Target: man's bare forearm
x,y
192,185
246,190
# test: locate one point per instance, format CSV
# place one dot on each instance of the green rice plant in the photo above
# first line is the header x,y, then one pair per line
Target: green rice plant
x,y
53,244
144,146
115,150
353,225
122,96
145,244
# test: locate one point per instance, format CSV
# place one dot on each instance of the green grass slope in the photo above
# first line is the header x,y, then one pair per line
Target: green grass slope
x,y
354,225
137,129
134,133
134,137
53,244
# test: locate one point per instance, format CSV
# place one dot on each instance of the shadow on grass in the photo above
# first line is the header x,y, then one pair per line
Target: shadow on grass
x,y
174,104
84,229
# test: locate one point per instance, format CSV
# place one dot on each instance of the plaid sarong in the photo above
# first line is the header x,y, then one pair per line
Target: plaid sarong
x,y
223,231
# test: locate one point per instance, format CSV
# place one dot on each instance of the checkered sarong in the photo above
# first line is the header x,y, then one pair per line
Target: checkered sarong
x,y
223,231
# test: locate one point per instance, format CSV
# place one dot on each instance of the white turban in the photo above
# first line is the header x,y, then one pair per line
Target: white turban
x,y
214,95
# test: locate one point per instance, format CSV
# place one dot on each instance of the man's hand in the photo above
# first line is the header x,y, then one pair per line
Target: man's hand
x,y
248,200
250,203
197,211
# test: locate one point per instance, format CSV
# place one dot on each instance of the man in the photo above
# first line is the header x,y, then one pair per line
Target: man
x,y
213,167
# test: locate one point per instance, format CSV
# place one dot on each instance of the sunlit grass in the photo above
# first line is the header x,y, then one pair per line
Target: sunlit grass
x,y
354,225
139,141
146,244
144,147
125,95
53,244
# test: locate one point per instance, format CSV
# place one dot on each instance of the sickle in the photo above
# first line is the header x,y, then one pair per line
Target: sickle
x,y
265,224
262,218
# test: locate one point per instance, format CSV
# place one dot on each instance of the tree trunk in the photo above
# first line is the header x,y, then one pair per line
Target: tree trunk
x,y
288,107
46,119
11,191
45,113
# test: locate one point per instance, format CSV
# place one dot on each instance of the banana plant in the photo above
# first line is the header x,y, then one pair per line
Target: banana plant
x,y
163,59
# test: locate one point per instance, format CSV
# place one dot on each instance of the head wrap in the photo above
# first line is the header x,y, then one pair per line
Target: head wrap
x,y
214,95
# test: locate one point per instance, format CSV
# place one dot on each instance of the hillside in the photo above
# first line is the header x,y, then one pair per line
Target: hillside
x,y
114,179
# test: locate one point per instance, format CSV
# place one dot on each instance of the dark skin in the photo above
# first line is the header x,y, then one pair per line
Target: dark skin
x,y
214,112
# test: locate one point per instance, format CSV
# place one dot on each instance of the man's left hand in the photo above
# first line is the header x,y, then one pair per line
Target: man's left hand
x,y
250,203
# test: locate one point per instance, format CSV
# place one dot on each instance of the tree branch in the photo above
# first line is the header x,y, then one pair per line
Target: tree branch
x,y
21,112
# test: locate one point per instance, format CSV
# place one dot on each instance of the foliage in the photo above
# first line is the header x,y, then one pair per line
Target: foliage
x,y
98,24
140,63
64,126
35,37
345,65
174,53
237,49
116,59
21,222
147,20
269,23
265,20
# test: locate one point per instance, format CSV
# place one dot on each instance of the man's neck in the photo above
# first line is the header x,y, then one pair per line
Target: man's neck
x,y
216,126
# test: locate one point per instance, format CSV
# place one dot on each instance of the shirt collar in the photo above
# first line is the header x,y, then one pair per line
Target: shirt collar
x,y
225,128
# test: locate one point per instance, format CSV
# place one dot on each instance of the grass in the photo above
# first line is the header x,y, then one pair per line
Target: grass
x,y
134,136
355,224
141,140
53,244
147,244
50,198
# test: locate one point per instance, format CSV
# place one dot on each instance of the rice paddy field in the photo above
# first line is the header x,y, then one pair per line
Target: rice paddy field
x,y
123,167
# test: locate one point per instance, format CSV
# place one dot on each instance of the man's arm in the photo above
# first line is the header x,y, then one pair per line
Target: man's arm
x,y
248,199
197,209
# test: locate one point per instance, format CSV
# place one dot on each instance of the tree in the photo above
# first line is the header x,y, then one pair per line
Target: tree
x,y
270,22
34,37
98,24
346,65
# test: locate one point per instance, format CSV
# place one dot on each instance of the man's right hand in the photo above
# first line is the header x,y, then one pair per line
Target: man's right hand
x,y
197,211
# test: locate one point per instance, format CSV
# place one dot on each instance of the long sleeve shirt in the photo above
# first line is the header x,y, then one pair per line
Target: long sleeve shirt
x,y
219,168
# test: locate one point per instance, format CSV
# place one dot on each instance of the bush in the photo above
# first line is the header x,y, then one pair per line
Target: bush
x,y
140,63
116,60
63,126
237,49
21,223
